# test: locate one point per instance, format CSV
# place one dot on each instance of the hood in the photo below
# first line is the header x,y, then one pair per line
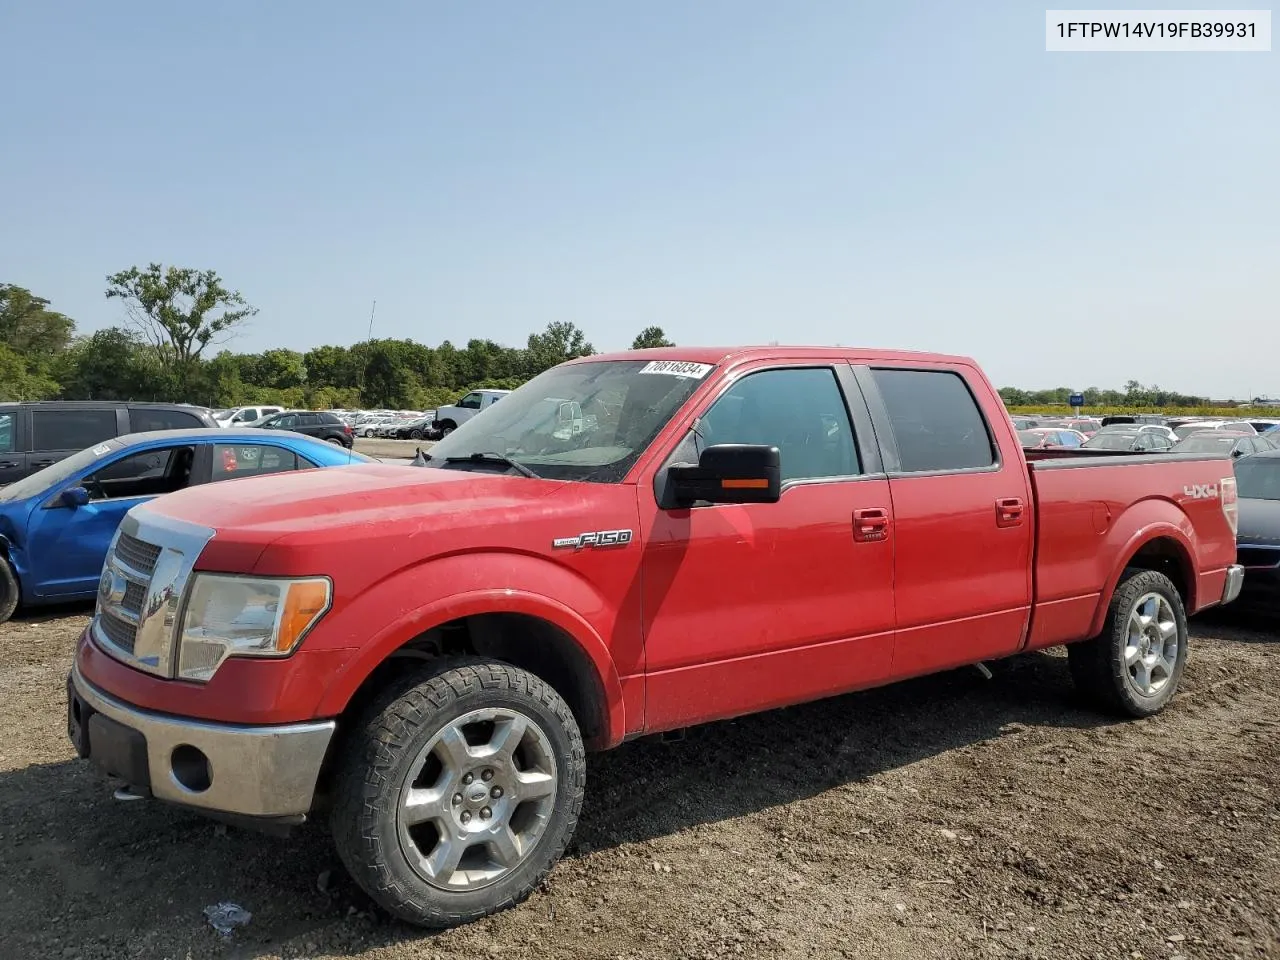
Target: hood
x,y
1259,521
356,497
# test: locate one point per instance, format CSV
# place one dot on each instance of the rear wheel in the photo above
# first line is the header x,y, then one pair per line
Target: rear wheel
x,y
335,441
9,590
1133,667
415,434
457,791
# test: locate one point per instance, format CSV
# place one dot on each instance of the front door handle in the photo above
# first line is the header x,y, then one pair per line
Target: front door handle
x,y
8,465
870,524
1009,511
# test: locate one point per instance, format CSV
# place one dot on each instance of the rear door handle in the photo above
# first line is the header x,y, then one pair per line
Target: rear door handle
x,y
8,465
870,524
1009,512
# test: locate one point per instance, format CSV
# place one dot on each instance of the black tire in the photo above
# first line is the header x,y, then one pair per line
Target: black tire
x,y
10,592
415,434
384,750
447,428
1099,666
337,441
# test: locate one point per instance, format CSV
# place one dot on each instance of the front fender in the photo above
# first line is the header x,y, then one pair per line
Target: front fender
x,y
382,621
1143,522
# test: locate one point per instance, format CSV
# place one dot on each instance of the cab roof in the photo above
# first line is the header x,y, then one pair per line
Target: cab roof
x,y
733,355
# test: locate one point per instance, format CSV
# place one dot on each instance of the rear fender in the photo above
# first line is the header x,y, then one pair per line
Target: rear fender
x,y
536,588
1143,523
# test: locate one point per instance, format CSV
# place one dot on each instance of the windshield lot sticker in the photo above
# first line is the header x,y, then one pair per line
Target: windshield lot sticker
x,y
678,368
100,449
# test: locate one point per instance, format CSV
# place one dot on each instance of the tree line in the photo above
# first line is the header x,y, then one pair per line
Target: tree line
x,y
176,319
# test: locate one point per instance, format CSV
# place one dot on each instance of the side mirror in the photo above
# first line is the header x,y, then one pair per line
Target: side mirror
x,y
75,497
729,473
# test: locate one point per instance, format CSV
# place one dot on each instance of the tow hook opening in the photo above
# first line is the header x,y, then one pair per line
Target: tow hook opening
x,y
191,768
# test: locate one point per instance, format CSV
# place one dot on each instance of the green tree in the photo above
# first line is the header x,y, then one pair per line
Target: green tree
x,y
111,364
28,327
651,337
179,311
561,341
19,382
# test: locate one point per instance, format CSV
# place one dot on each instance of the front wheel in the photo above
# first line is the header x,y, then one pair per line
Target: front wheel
x,y
10,592
415,434
1133,667
457,791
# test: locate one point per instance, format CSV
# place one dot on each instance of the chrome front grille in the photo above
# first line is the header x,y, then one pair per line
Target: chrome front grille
x,y
138,554
120,633
144,580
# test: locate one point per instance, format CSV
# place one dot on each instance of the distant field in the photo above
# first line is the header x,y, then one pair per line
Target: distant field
x,y
1225,413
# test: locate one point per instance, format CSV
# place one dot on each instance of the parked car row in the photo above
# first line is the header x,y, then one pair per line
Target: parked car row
x,y
1149,434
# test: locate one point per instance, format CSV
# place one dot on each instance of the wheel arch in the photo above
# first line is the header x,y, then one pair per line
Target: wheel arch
x,y
525,629
1160,541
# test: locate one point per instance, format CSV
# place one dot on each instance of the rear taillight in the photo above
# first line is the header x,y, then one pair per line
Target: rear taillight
x,y
1230,503
346,428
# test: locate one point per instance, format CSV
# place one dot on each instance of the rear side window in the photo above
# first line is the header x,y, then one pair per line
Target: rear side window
x,y
330,418
142,421
252,460
71,429
6,433
936,422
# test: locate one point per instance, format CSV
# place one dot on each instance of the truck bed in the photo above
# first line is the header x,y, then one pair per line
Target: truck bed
x,y
1092,511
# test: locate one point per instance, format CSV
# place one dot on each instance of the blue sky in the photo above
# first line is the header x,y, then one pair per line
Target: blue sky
x,y
919,175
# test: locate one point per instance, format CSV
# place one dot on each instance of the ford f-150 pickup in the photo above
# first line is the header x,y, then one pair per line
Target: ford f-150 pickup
x,y
425,656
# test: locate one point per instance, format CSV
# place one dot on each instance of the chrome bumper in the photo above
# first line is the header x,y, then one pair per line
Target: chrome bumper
x,y
1235,580
267,772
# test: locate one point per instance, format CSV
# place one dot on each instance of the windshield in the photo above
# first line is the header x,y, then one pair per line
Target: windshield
x,y
580,421
51,476
1258,478
1187,429
1111,441
1207,442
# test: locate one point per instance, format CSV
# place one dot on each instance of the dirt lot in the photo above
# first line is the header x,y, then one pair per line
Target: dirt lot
x,y
948,817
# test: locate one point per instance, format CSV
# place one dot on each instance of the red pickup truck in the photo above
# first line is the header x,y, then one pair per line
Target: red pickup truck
x,y
627,544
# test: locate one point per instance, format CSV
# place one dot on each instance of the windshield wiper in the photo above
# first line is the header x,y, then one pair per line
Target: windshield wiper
x,y
495,458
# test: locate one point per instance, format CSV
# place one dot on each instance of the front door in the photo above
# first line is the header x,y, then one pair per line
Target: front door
x,y
963,519
749,606
67,545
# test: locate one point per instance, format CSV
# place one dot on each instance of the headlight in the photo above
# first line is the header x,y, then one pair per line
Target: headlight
x,y
230,616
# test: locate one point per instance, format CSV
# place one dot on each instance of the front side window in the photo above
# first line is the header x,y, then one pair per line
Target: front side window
x,y
148,473
579,421
287,422
71,429
470,402
800,411
232,460
935,419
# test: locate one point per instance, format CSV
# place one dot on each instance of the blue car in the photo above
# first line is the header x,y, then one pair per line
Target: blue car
x,y
56,525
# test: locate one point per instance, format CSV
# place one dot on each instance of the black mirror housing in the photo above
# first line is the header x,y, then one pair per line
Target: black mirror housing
x,y
729,473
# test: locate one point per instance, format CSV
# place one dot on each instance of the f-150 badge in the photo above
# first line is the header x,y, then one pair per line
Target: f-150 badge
x,y
600,538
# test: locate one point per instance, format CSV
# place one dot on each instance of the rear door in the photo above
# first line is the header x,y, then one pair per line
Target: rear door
x,y
962,516
13,459
58,432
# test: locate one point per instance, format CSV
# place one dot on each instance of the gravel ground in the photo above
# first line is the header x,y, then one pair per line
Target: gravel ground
x,y
946,817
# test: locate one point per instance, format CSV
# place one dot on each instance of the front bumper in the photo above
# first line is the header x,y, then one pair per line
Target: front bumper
x,y
242,771
1234,582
